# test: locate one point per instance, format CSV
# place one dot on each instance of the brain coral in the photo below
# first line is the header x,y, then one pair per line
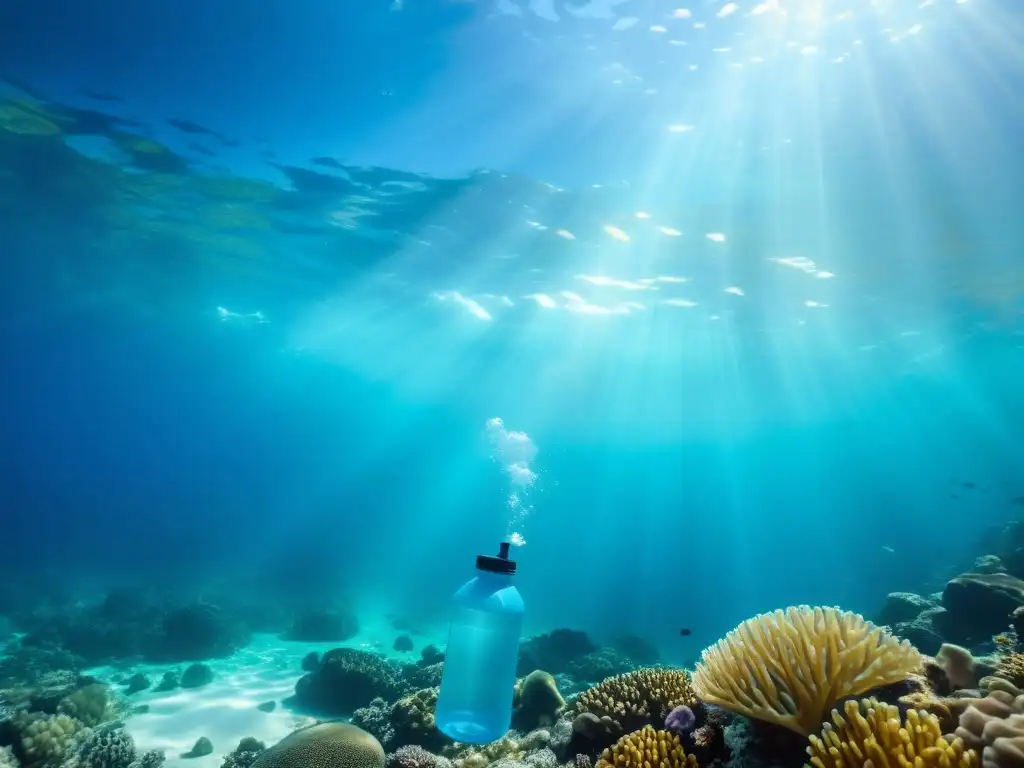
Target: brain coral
x,y
873,734
326,745
647,748
635,699
789,667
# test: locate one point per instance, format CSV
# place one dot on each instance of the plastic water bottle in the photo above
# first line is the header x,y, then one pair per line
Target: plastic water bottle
x,y
474,704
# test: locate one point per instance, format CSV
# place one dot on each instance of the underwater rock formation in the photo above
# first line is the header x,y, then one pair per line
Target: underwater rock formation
x,y
123,626
323,627
196,676
554,651
599,665
916,618
136,683
980,605
168,682
638,650
902,606
201,748
193,633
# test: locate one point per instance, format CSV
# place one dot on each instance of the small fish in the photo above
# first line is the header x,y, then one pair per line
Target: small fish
x,y
1019,500
890,550
970,484
684,632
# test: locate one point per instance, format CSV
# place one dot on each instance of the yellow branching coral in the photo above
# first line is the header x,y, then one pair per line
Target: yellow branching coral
x,y
647,748
1011,663
872,735
638,698
789,667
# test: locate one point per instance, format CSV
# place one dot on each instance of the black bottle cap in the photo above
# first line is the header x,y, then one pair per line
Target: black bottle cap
x,y
497,564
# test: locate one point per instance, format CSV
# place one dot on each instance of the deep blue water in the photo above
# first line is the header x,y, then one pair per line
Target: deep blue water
x,y
789,418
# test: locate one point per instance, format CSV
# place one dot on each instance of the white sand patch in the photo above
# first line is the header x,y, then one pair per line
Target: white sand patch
x,y
225,711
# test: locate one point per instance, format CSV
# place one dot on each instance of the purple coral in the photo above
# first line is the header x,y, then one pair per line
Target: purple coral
x,y
680,720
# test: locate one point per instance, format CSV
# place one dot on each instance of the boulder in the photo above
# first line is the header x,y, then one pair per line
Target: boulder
x,y
979,605
902,606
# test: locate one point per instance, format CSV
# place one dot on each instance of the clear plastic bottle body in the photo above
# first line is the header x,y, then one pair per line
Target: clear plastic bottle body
x,y
474,704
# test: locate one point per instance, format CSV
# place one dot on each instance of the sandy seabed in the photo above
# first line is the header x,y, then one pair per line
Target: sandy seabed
x,y
225,711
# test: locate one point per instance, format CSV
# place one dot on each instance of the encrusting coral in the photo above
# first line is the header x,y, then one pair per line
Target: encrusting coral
x,y
635,699
510,746
873,734
412,721
647,748
790,667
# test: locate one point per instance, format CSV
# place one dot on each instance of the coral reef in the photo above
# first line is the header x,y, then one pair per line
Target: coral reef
x,y
124,626
994,726
647,748
107,747
150,759
375,719
637,649
790,667
872,733
554,651
413,756
958,664
245,754
412,718
680,720
627,702
510,747
47,739
325,745
193,633
599,665
537,701
345,680
90,705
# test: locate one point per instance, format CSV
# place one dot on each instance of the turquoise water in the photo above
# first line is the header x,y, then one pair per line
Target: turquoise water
x,y
714,309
